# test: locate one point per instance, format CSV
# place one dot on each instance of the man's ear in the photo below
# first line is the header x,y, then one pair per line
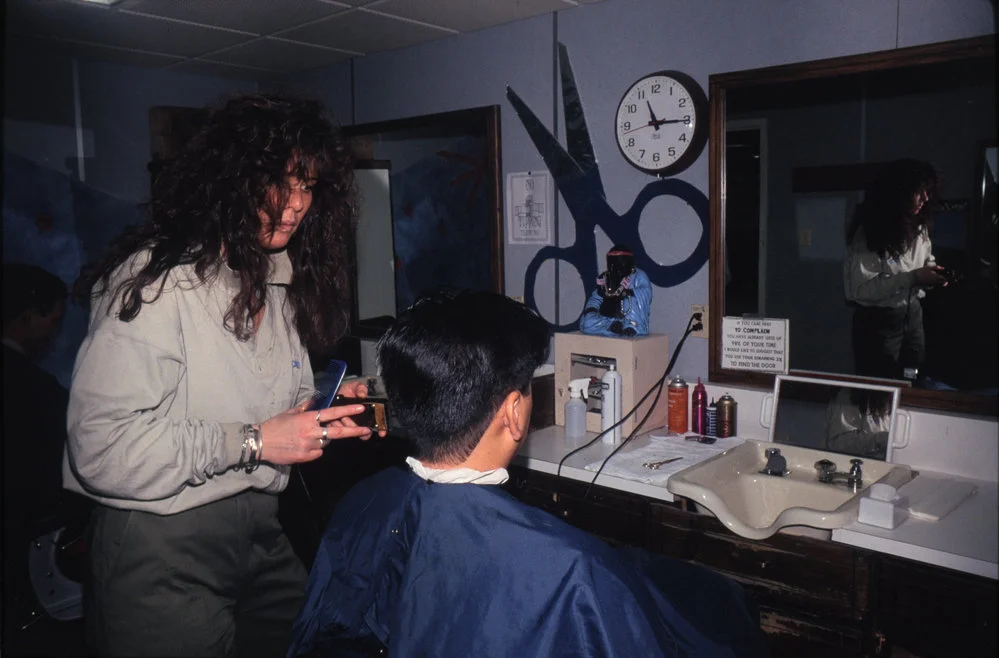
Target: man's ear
x,y
513,409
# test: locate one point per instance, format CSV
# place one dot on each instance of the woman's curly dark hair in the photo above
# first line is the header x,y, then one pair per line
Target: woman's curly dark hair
x,y
206,203
886,211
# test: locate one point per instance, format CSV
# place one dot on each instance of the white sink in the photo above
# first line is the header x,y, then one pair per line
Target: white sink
x,y
756,506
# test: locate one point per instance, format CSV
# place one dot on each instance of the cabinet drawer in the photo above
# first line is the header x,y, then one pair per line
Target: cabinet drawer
x,y
798,636
615,517
792,573
672,531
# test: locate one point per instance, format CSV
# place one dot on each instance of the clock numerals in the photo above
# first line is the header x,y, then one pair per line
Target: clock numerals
x,y
658,128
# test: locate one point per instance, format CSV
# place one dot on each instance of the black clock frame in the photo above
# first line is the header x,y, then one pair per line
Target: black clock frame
x,y
701,128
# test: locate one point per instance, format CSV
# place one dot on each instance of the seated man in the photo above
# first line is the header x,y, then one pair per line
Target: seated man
x,y
437,560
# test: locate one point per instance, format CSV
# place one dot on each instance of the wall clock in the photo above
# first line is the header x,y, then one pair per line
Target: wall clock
x,y
662,123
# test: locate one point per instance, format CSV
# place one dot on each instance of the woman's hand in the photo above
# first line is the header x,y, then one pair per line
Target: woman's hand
x,y
931,276
355,388
299,435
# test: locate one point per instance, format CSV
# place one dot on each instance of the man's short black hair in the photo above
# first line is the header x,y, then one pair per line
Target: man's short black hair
x,y
450,360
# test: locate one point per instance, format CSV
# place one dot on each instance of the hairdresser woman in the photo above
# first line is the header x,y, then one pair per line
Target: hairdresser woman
x,y
888,266
189,394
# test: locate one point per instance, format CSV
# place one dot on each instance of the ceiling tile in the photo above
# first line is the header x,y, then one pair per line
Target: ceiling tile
x,y
53,18
119,55
365,32
159,35
256,16
352,3
90,51
468,15
278,55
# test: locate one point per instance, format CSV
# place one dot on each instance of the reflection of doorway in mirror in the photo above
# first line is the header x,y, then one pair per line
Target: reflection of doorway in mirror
x,y
373,244
745,205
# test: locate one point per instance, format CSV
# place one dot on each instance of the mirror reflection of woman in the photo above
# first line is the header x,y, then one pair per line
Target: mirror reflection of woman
x,y
888,266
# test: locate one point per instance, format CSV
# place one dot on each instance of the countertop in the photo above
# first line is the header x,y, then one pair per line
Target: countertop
x,y
544,449
966,539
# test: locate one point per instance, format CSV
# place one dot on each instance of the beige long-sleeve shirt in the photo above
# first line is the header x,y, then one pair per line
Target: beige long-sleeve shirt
x,y
157,405
872,280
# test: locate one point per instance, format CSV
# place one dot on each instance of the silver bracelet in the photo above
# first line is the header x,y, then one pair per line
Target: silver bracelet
x,y
252,442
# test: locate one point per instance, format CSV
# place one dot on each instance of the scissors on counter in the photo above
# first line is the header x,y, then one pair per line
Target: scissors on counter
x,y
578,178
655,465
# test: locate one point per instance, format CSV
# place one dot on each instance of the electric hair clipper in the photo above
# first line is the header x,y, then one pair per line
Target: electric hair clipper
x,y
375,416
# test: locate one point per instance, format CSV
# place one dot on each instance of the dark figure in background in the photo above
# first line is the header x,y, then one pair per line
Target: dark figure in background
x,y
189,395
437,560
621,304
888,266
34,437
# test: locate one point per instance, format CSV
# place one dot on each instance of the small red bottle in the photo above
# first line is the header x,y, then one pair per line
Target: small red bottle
x,y
699,409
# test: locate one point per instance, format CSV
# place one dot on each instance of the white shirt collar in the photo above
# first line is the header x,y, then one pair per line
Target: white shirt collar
x,y
457,475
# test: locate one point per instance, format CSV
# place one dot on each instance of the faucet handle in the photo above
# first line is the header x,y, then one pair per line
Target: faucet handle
x,y
824,466
855,468
771,452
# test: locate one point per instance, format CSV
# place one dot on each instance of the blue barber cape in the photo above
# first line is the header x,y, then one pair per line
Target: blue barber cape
x,y
467,570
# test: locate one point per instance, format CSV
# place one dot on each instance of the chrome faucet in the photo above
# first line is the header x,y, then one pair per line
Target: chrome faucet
x,y
776,463
854,479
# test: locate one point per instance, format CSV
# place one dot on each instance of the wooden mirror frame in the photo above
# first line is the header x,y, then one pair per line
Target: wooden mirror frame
x,y
978,47
488,117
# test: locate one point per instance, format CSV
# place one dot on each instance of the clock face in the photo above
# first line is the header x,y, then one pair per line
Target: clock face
x,y
661,123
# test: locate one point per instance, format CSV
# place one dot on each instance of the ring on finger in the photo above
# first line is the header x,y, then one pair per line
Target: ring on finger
x,y
317,416
324,434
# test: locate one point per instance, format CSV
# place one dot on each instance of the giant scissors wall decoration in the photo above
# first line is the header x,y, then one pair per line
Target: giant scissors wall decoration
x,y
578,179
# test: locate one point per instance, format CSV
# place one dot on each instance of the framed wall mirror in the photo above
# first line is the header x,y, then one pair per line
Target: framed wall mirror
x,y
430,211
794,147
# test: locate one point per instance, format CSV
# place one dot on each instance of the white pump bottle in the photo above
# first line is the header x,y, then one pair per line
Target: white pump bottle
x,y
575,408
610,410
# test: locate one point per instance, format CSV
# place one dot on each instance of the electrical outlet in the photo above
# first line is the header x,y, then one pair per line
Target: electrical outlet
x,y
703,310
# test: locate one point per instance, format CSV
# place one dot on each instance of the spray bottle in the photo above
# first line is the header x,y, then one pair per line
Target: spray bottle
x,y
610,409
575,408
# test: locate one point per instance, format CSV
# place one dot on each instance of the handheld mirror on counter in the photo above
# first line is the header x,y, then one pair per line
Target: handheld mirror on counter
x,y
850,418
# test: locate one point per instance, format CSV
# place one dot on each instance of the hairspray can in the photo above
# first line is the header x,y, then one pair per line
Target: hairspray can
x,y
676,411
698,408
711,419
726,416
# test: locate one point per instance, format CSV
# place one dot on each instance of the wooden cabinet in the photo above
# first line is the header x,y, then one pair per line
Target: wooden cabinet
x,y
817,598
936,613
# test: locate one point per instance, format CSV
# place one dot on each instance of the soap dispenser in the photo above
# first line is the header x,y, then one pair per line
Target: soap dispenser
x,y
575,408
